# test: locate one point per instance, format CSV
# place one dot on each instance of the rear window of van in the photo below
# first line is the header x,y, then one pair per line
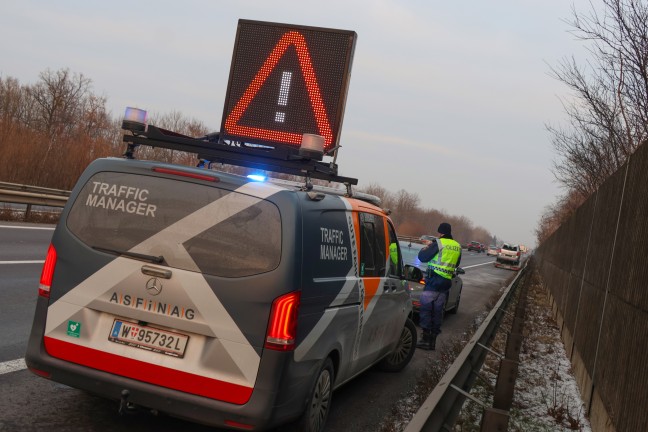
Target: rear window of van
x,y
194,227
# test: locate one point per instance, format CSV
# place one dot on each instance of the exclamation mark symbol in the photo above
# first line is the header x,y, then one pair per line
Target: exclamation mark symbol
x,y
280,116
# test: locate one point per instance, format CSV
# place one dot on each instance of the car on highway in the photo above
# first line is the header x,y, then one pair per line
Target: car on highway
x,y
415,271
509,254
474,246
492,250
426,238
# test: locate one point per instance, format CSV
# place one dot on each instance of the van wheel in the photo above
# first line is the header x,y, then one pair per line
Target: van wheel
x,y
319,401
402,354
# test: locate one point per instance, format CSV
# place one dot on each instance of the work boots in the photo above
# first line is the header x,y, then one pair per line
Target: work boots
x,y
427,341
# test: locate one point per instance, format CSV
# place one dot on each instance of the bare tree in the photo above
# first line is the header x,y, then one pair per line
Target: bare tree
x,y
386,197
406,205
12,102
51,130
462,229
60,99
609,116
174,121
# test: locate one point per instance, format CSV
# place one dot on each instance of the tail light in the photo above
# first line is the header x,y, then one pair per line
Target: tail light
x,y
518,254
48,273
186,174
282,328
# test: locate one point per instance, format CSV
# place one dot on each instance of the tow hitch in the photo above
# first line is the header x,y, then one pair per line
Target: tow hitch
x,y
125,407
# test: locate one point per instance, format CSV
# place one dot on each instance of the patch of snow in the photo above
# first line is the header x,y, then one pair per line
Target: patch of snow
x,y
546,396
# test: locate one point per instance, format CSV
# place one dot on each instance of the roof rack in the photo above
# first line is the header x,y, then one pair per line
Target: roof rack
x,y
214,149
249,155
372,199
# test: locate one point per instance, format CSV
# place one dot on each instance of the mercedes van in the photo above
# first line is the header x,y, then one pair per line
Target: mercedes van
x,y
217,299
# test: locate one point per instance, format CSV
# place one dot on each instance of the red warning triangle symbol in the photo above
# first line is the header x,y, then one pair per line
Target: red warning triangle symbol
x,y
297,40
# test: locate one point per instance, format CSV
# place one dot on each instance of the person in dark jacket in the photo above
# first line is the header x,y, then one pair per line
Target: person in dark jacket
x,y
443,257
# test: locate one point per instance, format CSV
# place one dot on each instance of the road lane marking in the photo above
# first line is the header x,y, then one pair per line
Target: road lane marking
x,y
12,366
23,262
23,227
476,265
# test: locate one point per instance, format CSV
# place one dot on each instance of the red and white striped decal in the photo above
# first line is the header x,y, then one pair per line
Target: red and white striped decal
x,y
148,372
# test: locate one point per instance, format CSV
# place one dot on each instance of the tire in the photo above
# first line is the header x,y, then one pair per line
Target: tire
x,y
415,317
319,400
396,360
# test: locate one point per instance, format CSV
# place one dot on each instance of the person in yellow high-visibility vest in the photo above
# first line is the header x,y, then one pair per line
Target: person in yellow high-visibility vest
x,y
393,253
443,257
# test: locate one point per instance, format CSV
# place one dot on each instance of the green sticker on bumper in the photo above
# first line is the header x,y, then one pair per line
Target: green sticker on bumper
x,y
74,329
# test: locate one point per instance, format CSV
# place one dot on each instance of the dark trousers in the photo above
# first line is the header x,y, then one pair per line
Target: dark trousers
x,y
431,310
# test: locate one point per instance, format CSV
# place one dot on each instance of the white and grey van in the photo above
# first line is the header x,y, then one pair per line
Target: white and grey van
x,y
217,299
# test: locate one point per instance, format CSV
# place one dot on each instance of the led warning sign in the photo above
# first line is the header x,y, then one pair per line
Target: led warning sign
x,y
287,80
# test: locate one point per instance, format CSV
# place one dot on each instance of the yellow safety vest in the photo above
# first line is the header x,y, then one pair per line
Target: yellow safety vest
x,y
445,261
393,253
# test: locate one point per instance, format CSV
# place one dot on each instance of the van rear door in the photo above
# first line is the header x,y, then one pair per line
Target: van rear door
x,y
164,279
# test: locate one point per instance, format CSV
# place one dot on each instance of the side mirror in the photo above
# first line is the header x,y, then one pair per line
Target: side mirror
x,y
413,273
460,271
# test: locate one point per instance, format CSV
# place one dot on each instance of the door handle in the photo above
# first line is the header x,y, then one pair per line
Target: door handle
x,y
156,272
389,287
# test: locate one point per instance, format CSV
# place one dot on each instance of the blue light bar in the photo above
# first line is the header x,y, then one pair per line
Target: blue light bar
x,y
136,115
256,177
135,119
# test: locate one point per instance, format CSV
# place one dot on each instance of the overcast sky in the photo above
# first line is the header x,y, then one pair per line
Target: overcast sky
x,y
448,100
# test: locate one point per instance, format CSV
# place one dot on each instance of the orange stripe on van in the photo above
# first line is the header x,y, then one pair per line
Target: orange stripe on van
x,y
148,372
364,206
371,287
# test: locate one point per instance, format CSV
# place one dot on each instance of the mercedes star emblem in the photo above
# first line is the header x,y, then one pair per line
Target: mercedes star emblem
x,y
154,286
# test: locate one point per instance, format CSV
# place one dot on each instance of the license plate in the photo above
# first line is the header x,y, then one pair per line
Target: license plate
x,y
148,338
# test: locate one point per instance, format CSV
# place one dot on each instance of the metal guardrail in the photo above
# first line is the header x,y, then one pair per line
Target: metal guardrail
x,y
410,239
32,195
441,408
